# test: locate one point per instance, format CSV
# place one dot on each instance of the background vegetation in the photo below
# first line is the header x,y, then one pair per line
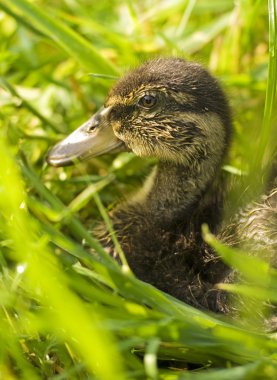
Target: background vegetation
x,y
60,319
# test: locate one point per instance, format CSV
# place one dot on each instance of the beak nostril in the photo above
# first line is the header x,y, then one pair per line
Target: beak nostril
x,y
91,128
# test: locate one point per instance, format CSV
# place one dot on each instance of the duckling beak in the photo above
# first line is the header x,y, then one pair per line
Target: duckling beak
x,y
93,138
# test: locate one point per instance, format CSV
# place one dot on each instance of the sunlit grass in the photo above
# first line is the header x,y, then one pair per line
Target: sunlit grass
x,y
67,313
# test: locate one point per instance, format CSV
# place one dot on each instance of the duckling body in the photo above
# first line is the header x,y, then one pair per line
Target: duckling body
x,y
162,239
175,111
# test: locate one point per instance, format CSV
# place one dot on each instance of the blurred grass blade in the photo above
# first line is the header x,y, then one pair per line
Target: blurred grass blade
x,y
270,100
14,347
67,313
187,13
71,42
259,370
253,268
66,216
28,106
82,199
150,359
259,293
108,222
202,36
22,21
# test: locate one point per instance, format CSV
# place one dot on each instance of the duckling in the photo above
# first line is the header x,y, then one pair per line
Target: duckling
x,y
175,111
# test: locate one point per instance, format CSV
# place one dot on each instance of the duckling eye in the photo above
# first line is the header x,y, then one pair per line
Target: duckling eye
x,y
147,101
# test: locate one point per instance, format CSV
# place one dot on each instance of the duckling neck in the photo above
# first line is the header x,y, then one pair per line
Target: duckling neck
x,y
175,192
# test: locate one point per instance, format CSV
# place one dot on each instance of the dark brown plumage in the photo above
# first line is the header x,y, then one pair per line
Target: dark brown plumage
x,y
173,110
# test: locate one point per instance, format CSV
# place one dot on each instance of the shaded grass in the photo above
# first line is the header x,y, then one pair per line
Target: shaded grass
x,y
64,320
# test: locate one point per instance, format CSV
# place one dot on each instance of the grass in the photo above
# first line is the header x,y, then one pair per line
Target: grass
x,y
67,314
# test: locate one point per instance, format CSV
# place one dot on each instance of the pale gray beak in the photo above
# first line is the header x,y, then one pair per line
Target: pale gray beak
x,y
93,138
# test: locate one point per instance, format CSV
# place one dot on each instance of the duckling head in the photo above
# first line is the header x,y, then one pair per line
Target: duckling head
x,y
167,108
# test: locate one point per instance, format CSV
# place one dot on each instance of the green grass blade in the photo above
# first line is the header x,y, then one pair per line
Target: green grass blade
x,y
28,105
104,214
268,127
71,42
66,216
201,37
260,370
253,268
67,314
